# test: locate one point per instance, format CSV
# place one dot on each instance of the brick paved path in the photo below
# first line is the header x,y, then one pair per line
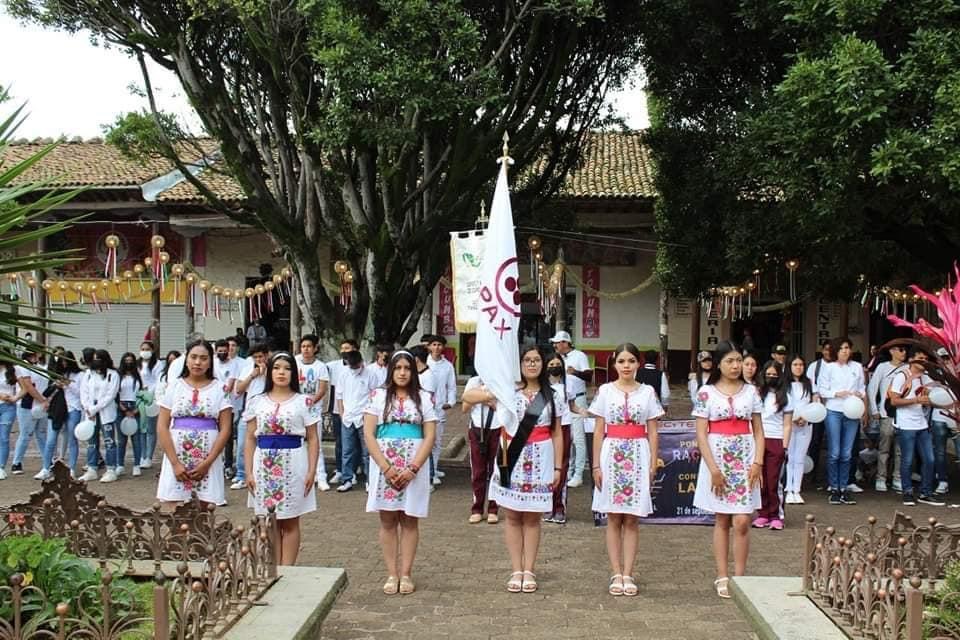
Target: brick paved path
x,y
461,569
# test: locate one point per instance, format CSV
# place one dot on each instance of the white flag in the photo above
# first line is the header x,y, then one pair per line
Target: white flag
x,y
497,357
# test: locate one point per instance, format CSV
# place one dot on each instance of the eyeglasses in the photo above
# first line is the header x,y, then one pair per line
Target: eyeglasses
x,y
529,361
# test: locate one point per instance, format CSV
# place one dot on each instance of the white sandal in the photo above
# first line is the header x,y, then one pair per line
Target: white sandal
x,y
529,586
721,586
615,589
629,586
514,584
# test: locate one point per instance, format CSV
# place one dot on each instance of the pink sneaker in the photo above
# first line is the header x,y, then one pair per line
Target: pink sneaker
x,y
776,524
760,523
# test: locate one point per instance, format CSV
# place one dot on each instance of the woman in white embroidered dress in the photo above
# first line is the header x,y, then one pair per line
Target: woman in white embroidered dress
x,y
624,448
399,427
193,428
280,468
730,437
528,493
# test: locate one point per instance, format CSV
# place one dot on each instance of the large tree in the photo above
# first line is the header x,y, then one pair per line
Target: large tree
x,y
827,131
373,125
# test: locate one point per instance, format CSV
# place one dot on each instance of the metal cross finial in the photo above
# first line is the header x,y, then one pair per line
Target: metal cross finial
x,y
505,159
482,219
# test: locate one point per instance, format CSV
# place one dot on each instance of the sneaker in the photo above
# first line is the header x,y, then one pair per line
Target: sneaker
x,y
575,481
322,485
440,474
120,471
853,488
236,485
109,476
908,500
16,469
3,474
229,473
560,519
930,500
942,488
916,477
846,498
146,463
346,486
42,475
89,476
788,497
335,478
475,518
858,476
136,472
776,524
881,485
760,523
436,482
548,518
835,497
897,485
799,499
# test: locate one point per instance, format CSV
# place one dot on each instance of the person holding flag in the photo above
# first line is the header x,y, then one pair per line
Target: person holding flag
x,y
530,452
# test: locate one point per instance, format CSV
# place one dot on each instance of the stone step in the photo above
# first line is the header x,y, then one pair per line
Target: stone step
x,y
775,611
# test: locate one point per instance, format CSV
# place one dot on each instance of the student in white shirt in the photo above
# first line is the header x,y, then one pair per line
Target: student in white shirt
x,y
99,402
699,378
814,370
877,398
130,385
33,384
578,375
656,378
151,368
238,365
250,384
445,395
838,381
355,385
335,369
381,363
314,381
9,392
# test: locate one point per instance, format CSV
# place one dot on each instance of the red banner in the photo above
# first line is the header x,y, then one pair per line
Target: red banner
x,y
445,318
591,304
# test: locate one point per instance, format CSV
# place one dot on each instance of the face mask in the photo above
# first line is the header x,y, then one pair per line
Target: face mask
x,y
773,379
222,357
146,355
343,356
555,371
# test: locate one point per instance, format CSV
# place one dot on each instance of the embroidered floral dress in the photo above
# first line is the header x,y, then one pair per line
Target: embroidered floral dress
x,y
193,445
530,480
280,474
733,454
413,499
625,462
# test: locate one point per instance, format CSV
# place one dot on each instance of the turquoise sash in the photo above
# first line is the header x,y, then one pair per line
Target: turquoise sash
x,y
399,430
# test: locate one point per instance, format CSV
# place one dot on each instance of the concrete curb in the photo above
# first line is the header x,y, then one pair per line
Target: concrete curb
x,y
777,610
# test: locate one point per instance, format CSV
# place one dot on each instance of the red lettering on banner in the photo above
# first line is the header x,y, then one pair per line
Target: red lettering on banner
x,y
590,323
485,294
491,311
447,326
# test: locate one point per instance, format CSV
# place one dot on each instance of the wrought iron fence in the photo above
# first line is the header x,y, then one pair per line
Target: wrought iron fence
x,y
879,581
206,572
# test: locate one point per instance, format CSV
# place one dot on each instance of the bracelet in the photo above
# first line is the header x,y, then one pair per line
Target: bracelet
x,y
758,464
594,468
414,468
558,468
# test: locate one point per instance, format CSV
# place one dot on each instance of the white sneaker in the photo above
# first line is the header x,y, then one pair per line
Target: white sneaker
x,y
336,478
3,474
136,472
436,482
942,488
42,475
441,474
881,485
238,484
854,488
858,476
788,498
120,471
575,481
109,476
89,476
146,463
322,485
916,477
897,485
346,486
799,499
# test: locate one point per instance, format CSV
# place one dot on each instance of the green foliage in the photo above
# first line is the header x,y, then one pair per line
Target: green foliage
x,y
943,609
139,134
62,577
824,130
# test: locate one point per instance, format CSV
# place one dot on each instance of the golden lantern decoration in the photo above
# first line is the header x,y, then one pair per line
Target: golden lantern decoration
x,y
259,289
148,262
792,266
112,241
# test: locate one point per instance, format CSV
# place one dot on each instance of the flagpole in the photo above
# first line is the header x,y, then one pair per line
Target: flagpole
x,y
505,161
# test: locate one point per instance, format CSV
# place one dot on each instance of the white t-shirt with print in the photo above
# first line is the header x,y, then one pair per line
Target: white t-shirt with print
x,y
909,417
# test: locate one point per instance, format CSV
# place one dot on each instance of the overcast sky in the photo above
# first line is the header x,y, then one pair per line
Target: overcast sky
x,y
73,88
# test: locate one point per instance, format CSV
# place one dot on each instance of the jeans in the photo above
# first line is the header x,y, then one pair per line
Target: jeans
x,y
941,433
149,437
354,451
841,432
437,445
338,441
916,442
8,413
109,432
241,430
577,434
886,446
49,451
815,449
29,426
122,439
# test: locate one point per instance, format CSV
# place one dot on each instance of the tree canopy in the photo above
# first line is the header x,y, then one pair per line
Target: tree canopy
x,y
372,126
821,130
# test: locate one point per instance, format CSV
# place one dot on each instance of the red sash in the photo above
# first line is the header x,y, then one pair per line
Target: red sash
x,y
540,433
627,431
730,427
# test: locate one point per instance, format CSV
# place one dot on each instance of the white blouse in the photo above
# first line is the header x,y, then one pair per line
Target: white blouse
x,y
714,405
616,407
402,409
291,417
184,401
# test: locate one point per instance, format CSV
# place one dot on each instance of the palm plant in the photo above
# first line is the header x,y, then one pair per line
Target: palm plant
x,y
22,206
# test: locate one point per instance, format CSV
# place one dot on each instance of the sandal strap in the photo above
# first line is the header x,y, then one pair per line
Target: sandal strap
x,y
615,576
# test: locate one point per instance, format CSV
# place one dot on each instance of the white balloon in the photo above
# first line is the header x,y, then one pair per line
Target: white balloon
x,y
84,430
37,412
151,410
940,397
807,464
129,426
814,413
853,407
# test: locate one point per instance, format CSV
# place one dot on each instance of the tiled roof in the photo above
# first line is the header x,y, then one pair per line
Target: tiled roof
x,y
616,165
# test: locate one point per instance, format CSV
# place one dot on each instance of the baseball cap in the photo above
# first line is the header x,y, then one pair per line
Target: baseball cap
x,y
943,353
704,355
780,349
562,336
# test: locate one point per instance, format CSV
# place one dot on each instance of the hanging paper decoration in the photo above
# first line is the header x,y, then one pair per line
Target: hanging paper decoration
x,y
13,279
62,288
228,298
105,293
756,280
534,243
112,241
138,270
216,291
249,293
278,285
268,287
176,273
32,290
342,268
47,285
204,287
164,260
792,266
156,244
259,291
117,283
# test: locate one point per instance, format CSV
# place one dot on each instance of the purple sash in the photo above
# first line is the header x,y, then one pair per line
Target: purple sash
x,y
195,424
